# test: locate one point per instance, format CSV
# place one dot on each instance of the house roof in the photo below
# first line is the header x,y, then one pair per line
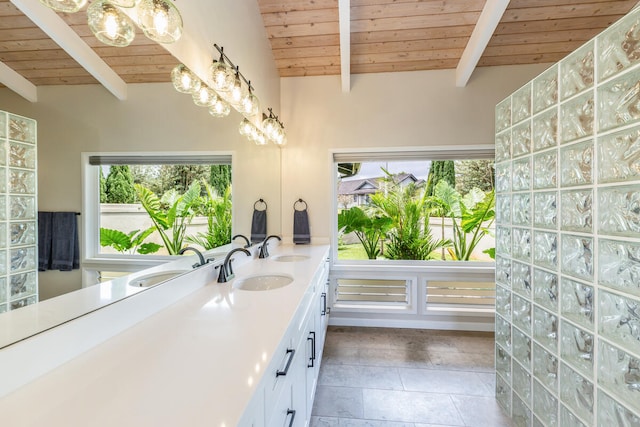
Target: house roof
x,y
371,185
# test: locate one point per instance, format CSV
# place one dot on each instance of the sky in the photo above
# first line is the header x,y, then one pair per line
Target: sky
x,y
372,169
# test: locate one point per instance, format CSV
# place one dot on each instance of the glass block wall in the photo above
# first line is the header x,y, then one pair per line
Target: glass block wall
x,y
18,210
568,239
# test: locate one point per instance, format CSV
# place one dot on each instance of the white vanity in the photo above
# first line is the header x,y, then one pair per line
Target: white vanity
x,y
217,356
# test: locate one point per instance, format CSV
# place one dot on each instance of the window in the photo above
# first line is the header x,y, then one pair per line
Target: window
x,y
147,206
434,205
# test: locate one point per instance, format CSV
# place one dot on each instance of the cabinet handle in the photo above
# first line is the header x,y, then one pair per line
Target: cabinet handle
x,y
293,416
312,359
324,303
290,353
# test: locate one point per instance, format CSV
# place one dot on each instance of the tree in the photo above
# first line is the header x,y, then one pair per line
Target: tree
x,y
119,185
182,176
103,187
220,178
475,174
440,170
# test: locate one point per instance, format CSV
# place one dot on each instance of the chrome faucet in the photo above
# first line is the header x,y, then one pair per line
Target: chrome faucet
x,y
202,260
226,271
263,252
245,239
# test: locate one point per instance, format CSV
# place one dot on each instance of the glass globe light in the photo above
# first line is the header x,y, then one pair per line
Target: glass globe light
x,y
69,6
269,126
219,108
280,138
109,24
250,104
160,20
236,93
222,76
245,127
204,97
258,137
184,80
123,3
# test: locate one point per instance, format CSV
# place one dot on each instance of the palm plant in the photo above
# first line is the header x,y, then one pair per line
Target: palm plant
x,y
369,229
217,209
170,214
131,242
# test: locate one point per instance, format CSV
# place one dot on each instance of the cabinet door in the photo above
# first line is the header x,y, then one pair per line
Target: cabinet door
x,y
283,414
312,366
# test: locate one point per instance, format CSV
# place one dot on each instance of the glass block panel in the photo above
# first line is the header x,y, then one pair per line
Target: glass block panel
x,y
545,367
545,89
503,363
619,373
545,249
22,129
521,104
577,256
3,124
576,162
23,259
521,349
545,329
619,156
503,332
577,302
521,240
576,210
568,419
503,209
3,152
619,210
576,392
3,183
577,347
576,118
619,265
3,289
576,71
545,210
503,146
619,46
22,182
521,139
22,155
3,207
3,234
545,130
544,170
521,205
521,414
522,382
620,321
22,207
503,240
22,233
545,289
3,267
503,271
13,305
521,313
503,177
521,174
503,394
503,302
619,101
503,115
545,405
22,284
612,413
521,280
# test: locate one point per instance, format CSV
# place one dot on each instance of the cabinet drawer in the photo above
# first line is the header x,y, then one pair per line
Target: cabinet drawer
x,y
283,415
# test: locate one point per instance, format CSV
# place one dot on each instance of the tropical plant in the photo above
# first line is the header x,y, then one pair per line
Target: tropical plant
x,y
103,187
131,242
472,216
220,177
170,214
217,209
369,229
410,235
440,170
119,185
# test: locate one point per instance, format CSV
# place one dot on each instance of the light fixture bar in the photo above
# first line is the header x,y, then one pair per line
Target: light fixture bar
x,y
224,56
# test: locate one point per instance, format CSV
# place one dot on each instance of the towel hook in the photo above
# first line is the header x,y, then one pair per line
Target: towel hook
x,y
258,202
300,201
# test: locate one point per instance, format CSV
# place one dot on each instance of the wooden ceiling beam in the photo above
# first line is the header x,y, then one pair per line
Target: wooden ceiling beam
x,y
67,39
17,83
482,33
344,17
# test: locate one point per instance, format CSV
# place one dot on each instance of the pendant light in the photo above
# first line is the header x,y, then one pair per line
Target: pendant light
x,y
245,127
184,80
204,96
160,20
124,3
222,75
219,108
237,92
250,105
69,6
109,24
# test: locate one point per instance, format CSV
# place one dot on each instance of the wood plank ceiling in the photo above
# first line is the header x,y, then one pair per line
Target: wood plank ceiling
x,y
386,35
404,35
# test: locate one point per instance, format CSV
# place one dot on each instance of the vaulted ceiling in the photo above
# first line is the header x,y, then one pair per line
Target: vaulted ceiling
x,y
308,37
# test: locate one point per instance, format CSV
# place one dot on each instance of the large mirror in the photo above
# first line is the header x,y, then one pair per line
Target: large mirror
x,y
154,118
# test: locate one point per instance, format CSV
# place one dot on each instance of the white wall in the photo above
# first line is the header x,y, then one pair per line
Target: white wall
x,y
385,110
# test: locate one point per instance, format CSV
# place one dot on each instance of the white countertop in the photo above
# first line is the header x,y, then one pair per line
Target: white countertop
x,y
197,362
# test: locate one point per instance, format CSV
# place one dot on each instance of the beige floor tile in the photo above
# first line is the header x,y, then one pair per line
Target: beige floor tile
x,y
338,402
390,405
360,376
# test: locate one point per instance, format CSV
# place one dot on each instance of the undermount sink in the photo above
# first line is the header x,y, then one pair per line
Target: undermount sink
x,y
155,278
289,258
265,282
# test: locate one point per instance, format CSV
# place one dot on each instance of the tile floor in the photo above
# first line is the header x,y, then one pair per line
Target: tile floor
x,y
379,377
